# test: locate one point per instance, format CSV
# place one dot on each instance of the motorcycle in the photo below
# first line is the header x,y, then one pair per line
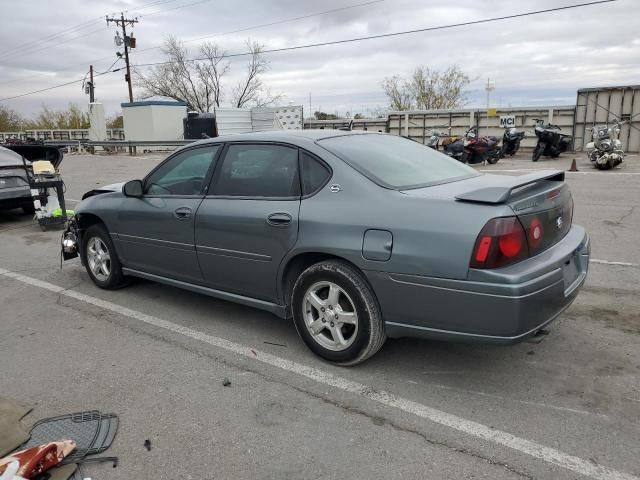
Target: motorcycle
x,y
551,143
511,141
605,151
434,141
474,149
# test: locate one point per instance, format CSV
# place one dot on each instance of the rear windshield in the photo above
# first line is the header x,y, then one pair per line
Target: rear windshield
x,y
396,162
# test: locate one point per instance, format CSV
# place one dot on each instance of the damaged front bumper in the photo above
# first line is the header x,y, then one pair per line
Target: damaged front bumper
x,y
70,241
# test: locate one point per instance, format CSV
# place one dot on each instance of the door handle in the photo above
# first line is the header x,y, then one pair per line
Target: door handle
x,y
279,219
182,212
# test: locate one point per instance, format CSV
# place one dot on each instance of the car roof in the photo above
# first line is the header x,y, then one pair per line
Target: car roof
x,y
289,136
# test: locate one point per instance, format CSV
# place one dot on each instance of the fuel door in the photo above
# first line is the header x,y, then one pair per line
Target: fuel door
x,y
377,245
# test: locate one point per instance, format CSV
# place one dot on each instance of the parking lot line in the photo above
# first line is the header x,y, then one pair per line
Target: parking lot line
x,y
527,170
556,457
608,262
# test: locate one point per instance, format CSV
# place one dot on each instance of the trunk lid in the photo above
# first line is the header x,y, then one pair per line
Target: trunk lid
x,y
35,152
12,173
540,200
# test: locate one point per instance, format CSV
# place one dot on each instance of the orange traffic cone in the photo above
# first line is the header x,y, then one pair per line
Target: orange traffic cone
x,y
573,167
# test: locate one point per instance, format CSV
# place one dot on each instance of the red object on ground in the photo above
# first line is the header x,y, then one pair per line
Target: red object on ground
x,y
36,460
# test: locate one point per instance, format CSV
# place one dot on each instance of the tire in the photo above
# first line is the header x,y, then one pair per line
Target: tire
x,y
493,158
97,241
356,303
29,208
537,152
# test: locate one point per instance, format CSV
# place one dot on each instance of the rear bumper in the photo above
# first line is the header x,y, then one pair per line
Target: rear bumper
x,y
15,197
502,306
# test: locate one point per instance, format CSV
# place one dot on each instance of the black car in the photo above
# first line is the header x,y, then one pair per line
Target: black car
x,y
14,184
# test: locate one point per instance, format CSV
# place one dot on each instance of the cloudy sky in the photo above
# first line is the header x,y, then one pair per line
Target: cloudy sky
x,y
535,60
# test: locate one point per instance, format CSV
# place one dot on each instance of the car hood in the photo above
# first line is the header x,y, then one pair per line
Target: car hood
x,y
114,187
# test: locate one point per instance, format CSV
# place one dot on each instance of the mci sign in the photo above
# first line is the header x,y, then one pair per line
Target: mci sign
x,y
507,121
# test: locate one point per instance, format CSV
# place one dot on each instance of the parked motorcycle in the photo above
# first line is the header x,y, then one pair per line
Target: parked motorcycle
x,y
511,141
474,149
605,151
551,143
434,141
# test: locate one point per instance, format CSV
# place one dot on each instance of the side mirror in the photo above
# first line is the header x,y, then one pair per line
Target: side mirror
x,y
133,188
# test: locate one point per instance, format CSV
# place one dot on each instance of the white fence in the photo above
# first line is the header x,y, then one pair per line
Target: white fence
x,y
418,124
64,135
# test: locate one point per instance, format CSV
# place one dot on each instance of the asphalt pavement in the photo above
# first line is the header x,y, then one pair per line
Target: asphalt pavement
x,y
567,407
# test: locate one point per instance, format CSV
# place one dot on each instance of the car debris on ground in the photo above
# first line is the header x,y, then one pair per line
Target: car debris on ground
x,y
53,448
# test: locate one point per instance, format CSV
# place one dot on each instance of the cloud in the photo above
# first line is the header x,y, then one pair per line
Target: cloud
x,y
532,60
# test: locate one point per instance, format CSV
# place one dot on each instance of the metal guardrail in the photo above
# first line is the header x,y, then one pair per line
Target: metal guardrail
x,y
119,143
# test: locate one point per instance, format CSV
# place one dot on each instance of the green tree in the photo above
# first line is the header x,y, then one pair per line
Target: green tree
x,y
10,120
115,122
71,118
325,116
427,89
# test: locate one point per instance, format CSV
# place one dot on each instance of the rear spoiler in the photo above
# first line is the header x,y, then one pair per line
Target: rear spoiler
x,y
501,193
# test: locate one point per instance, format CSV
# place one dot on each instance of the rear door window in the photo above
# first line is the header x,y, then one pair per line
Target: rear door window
x,y
314,173
396,162
252,170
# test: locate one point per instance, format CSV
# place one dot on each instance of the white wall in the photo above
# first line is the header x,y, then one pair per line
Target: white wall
x,y
153,122
97,122
167,121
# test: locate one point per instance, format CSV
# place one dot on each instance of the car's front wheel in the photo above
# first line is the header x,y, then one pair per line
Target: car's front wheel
x,y
101,259
336,313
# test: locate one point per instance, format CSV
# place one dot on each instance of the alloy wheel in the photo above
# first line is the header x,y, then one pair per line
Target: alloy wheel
x,y
98,259
330,316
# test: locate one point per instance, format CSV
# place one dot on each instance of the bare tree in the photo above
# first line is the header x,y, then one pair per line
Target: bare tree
x,y
177,78
427,89
211,70
251,90
398,93
433,89
199,82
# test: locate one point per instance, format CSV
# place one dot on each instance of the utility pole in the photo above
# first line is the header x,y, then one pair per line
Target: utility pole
x,y
489,88
129,42
92,97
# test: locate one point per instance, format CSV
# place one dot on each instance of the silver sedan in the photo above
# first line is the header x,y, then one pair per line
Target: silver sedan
x,y
355,236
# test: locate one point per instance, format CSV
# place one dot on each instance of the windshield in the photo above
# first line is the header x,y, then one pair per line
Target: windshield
x,y
396,162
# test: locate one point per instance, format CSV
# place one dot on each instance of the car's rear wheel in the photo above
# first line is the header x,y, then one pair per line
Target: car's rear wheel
x,y
336,313
101,259
29,208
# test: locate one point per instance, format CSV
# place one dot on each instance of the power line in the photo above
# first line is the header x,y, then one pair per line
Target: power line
x,y
25,47
395,34
270,24
174,8
92,32
244,29
287,20
37,45
351,40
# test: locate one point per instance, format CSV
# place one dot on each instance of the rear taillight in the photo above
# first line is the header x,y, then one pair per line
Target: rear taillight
x,y
501,242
